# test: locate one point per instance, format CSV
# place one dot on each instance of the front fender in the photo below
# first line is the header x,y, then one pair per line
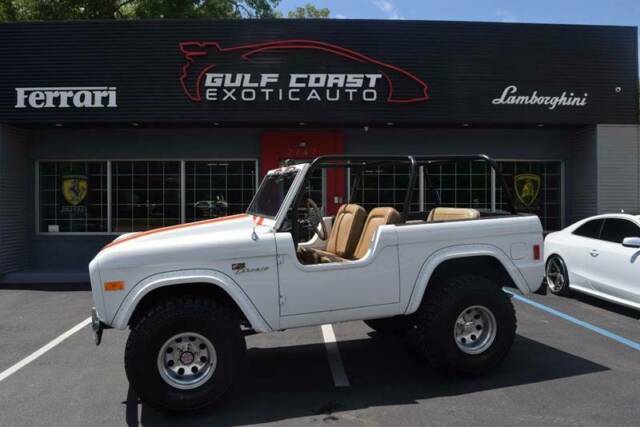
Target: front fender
x,y
461,251
213,277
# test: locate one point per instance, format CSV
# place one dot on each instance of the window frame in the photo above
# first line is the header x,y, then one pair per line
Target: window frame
x,y
109,232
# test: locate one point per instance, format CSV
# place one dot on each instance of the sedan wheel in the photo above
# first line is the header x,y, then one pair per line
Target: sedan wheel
x,y
557,276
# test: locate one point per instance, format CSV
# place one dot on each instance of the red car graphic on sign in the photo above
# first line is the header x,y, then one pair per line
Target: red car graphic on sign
x,y
201,58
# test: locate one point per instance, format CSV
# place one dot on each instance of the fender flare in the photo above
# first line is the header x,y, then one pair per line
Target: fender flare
x,y
460,251
213,277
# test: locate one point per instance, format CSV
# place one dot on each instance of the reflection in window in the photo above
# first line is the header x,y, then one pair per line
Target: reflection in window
x,y
218,188
73,197
145,194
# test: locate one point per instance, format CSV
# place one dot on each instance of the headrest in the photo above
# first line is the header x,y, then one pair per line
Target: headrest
x,y
452,214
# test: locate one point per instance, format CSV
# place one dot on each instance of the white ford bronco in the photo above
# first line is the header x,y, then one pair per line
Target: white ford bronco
x,y
189,293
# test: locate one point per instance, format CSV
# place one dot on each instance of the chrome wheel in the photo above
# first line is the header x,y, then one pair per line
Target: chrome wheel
x,y
555,275
475,329
187,360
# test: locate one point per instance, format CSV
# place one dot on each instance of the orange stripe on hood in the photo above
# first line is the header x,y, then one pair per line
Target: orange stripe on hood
x,y
173,227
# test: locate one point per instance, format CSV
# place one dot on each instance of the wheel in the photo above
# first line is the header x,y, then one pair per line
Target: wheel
x,y
557,275
184,354
465,326
390,325
315,216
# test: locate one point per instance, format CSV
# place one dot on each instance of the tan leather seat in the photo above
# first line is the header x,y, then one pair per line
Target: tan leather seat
x,y
452,214
376,218
345,232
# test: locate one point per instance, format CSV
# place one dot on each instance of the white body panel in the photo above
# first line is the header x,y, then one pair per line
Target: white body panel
x,y
351,287
600,268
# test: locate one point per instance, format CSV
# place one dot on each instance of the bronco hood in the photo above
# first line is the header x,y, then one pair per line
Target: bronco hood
x,y
223,224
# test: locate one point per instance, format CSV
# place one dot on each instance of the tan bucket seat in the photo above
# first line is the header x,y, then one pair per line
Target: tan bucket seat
x,y
345,232
376,218
452,214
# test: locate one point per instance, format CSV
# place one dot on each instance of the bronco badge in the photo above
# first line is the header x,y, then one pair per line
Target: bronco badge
x,y
241,267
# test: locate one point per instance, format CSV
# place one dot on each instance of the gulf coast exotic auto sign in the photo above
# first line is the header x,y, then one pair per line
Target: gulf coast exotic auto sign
x,y
207,74
334,72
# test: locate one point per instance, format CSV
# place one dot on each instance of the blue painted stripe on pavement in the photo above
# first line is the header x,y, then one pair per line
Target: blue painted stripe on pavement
x,y
622,340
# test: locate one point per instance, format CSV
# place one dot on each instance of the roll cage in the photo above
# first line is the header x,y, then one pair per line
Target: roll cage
x,y
413,162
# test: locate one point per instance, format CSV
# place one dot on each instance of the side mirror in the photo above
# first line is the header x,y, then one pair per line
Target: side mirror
x,y
631,242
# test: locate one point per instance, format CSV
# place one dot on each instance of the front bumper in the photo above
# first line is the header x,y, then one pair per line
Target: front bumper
x,y
97,326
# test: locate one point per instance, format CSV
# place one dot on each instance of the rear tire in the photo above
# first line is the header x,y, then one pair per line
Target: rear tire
x,y
465,326
184,354
557,276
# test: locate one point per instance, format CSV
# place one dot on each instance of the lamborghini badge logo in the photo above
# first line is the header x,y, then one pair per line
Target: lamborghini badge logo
x,y
74,188
527,188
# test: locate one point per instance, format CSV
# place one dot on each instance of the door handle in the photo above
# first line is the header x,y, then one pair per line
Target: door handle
x,y
594,253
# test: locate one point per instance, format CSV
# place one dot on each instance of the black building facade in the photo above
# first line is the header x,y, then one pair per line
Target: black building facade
x,y
113,127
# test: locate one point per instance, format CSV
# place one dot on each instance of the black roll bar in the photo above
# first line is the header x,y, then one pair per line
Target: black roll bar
x,y
346,160
434,160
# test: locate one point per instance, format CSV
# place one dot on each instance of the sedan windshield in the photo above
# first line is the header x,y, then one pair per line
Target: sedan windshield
x,y
271,194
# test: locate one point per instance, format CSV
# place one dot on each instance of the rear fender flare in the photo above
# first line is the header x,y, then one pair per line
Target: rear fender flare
x,y
212,277
460,251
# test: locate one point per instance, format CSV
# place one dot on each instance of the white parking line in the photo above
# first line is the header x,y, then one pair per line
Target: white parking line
x,y
335,361
42,350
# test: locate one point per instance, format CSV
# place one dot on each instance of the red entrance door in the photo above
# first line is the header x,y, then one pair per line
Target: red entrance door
x,y
279,146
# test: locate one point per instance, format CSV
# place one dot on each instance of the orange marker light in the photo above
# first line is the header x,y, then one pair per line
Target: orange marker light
x,y
114,286
536,252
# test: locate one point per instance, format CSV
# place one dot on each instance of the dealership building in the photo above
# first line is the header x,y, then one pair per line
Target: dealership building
x,y
113,127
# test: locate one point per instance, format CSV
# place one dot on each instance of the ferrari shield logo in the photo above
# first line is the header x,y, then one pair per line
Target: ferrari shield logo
x,y
527,188
74,188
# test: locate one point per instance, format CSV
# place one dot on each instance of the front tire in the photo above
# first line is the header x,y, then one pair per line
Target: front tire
x,y
465,326
557,275
184,354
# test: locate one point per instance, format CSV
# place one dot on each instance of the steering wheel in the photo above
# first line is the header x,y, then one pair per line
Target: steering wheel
x,y
315,219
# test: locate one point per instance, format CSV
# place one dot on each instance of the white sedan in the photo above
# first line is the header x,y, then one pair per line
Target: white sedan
x,y
599,256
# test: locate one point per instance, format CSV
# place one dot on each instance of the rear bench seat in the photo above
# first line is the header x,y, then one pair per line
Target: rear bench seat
x,y
452,214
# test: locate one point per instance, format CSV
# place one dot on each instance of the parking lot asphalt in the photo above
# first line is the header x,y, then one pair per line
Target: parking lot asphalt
x,y
558,373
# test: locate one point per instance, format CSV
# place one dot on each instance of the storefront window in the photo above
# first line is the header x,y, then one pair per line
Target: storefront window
x,y
218,188
73,197
145,194
461,184
384,185
536,187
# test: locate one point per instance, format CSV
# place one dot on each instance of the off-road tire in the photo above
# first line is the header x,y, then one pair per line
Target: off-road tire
x,y
436,320
553,288
396,325
206,317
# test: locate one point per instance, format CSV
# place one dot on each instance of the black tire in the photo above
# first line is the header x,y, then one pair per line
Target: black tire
x,y
205,317
557,276
437,320
397,325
